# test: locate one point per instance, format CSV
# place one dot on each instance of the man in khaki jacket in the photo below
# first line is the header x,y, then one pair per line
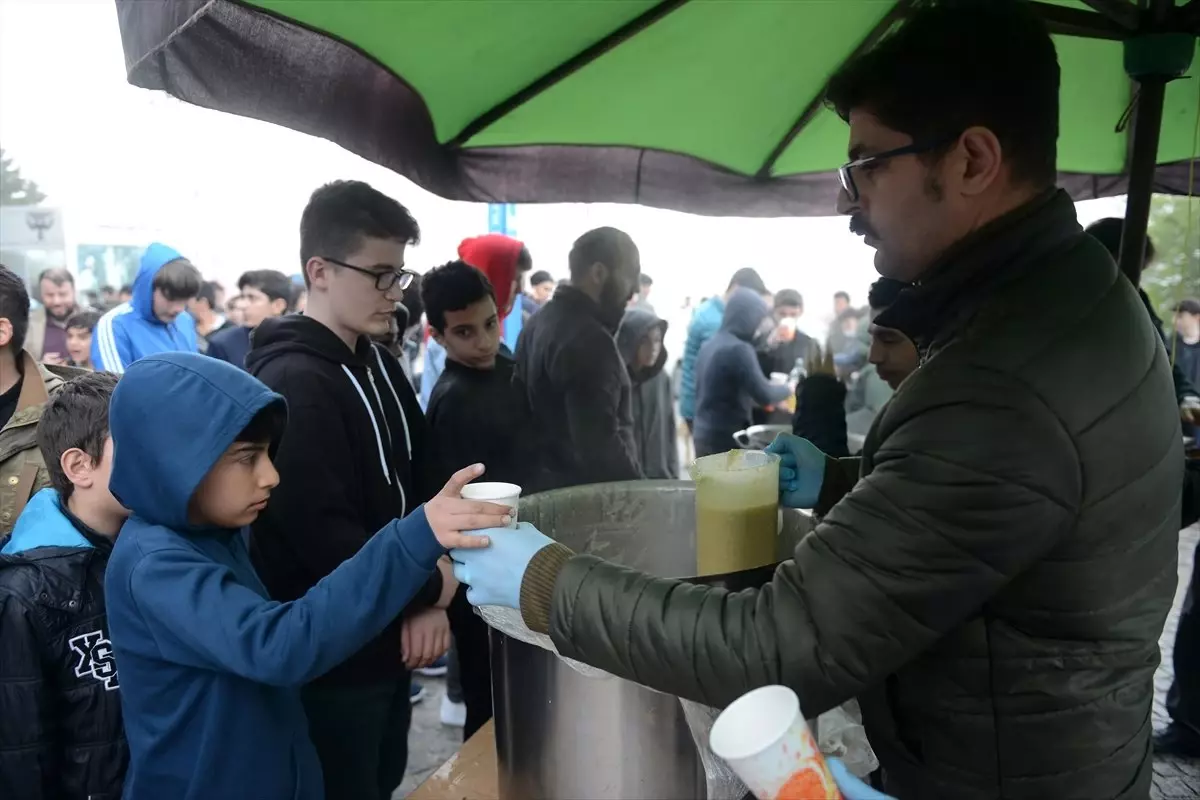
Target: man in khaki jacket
x,y
25,385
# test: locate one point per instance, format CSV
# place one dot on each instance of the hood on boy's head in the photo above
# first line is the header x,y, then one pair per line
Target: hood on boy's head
x,y
745,311
156,256
495,255
172,416
635,325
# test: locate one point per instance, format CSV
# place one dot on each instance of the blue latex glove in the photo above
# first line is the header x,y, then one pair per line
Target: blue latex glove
x,y
851,787
493,573
801,470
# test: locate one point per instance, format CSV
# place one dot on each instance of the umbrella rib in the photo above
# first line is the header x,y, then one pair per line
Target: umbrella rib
x,y
565,69
900,9
1066,21
1122,12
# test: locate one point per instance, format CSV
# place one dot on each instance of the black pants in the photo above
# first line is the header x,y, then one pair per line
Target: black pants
x,y
361,736
472,656
1183,699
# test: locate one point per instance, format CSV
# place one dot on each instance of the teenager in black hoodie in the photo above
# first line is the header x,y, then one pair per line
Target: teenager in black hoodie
x,y
355,455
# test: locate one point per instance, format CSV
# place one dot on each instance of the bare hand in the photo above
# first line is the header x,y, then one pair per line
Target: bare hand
x,y
1189,410
424,637
449,515
53,359
449,582
818,364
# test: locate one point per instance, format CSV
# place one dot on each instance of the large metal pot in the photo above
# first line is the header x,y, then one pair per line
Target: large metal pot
x,y
560,734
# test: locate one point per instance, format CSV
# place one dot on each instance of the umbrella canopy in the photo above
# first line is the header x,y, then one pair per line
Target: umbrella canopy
x,y
708,107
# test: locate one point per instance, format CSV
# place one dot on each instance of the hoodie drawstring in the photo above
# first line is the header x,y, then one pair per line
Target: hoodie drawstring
x,y
396,397
378,439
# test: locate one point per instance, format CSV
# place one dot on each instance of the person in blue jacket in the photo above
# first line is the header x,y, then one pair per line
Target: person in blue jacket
x,y
211,669
154,320
704,325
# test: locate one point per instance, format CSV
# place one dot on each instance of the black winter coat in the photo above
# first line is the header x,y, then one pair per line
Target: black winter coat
x,y
579,395
61,734
356,455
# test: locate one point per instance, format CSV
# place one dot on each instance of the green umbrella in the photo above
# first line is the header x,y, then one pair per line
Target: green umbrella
x,y
709,106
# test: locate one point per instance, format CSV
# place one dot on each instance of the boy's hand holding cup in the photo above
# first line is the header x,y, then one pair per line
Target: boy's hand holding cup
x,y
449,515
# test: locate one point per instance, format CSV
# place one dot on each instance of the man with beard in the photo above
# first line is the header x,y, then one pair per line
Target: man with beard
x,y
991,577
576,383
46,340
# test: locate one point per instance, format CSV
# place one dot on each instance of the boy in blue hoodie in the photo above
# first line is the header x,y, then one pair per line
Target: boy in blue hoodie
x,y
153,321
210,667
60,733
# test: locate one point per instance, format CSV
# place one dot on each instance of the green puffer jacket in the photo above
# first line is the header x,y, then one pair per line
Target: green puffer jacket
x,y
993,587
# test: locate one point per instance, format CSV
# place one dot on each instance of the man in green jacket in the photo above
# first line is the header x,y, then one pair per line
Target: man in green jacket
x,y
991,579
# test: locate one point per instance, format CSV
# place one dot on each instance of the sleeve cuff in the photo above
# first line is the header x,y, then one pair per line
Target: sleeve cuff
x,y
537,585
417,539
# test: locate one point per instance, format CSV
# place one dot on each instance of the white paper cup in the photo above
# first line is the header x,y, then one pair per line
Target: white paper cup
x,y
503,494
762,736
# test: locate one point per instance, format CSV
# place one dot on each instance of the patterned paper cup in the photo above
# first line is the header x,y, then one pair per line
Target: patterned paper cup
x,y
762,736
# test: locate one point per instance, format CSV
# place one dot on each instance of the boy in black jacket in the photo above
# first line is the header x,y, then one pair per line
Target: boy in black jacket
x,y
61,732
355,455
478,416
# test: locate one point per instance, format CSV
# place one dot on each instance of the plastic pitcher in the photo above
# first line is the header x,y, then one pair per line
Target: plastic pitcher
x,y
737,511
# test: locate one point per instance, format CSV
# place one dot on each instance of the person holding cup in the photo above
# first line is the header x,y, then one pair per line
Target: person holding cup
x,y
991,578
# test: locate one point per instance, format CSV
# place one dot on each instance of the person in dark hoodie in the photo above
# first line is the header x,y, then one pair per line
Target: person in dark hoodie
x,y
265,293
211,667
640,341
575,381
729,380
153,320
61,732
477,416
357,454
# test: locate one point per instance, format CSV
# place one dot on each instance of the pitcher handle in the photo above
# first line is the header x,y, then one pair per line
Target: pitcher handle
x,y
743,439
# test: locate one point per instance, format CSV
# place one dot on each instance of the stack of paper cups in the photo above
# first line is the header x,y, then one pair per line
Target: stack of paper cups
x,y
502,494
762,736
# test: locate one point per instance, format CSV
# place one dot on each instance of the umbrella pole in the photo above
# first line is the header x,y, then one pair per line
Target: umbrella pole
x,y
1147,124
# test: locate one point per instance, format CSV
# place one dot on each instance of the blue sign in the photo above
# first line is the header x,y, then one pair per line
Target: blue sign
x,y
502,219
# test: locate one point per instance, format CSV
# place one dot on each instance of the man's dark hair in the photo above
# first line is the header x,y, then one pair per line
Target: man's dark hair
x,y
1189,306
788,297
207,293
452,287
14,306
271,282
541,276
107,289
75,416
341,214
56,275
748,278
955,64
884,292
83,319
645,280
179,280
412,303
842,296
598,246
524,259
1107,231
125,289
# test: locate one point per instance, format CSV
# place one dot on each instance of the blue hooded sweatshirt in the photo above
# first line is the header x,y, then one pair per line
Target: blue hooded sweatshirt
x,y
131,331
211,667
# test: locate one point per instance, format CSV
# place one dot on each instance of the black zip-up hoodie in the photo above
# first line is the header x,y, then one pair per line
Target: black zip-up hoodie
x,y
356,454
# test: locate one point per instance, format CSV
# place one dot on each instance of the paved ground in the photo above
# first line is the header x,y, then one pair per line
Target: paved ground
x,y
431,743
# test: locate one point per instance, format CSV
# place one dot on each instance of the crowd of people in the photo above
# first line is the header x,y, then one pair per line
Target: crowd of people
x,y
233,527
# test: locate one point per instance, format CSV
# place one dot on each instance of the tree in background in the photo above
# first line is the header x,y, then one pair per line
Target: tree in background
x,y
15,190
1175,274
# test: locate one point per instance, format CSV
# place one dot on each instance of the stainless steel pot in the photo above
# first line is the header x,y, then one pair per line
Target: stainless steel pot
x,y
560,734
758,437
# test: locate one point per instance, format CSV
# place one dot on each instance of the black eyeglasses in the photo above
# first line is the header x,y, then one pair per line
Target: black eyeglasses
x,y
846,171
384,281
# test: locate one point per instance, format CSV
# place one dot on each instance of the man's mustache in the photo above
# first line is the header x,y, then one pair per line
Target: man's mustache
x,y
859,227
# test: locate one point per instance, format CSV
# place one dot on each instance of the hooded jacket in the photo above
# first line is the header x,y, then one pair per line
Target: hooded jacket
x,y
652,401
131,331
60,733
578,392
729,381
994,573
356,455
211,667
704,325
496,256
